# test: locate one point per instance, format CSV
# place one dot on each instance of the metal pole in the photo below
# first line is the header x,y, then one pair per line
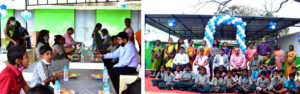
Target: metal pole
x,y
26,9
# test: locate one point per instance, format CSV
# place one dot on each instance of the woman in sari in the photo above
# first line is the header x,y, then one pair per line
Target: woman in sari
x,y
11,33
97,38
291,58
179,44
249,52
191,51
156,52
169,53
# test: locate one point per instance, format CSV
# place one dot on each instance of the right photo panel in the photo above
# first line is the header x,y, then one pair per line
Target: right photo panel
x,y
222,46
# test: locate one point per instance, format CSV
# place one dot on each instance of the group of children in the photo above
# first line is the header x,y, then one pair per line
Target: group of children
x,y
232,81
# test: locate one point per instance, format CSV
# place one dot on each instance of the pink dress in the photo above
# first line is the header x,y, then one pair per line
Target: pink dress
x,y
200,60
249,53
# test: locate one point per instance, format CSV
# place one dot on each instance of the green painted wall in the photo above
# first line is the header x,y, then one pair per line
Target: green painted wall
x,y
10,13
57,21
112,20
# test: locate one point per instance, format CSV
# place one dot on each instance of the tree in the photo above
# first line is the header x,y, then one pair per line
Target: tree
x,y
240,10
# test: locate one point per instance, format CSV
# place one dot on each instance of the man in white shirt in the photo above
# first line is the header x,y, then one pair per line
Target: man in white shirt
x,y
180,59
128,59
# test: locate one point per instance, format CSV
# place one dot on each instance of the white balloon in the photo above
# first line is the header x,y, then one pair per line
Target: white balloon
x,y
3,12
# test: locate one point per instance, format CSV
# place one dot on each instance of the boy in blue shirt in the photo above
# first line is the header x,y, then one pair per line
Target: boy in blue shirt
x,y
291,84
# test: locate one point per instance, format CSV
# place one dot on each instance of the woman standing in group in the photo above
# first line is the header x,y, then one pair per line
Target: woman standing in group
x,y
191,51
291,58
179,44
10,33
226,49
97,37
42,40
249,52
156,52
169,53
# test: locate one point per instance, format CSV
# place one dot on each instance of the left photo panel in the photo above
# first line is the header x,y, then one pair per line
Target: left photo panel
x,y
70,47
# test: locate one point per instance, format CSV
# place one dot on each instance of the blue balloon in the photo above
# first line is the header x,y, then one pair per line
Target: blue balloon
x,y
3,7
124,5
0,15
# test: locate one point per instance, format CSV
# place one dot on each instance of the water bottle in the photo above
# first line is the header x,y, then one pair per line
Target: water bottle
x,y
105,75
66,76
106,88
82,55
56,87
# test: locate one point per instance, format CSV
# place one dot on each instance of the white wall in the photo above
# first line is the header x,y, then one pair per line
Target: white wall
x,y
288,40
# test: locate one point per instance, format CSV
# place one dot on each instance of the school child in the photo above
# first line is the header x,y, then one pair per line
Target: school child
x,y
245,83
169,80
239,72
234,75
282,77
264,68
223,71
229,83
202,81
42,73
255,71
186,79
291,84
217,84
59,51
160,76
250,75
275,85
294,71
262,83
177,73
11,78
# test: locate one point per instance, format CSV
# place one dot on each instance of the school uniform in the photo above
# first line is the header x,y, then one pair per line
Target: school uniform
x,y
283,78
262,82
229,81
274,81
160,75
291,85
167,79
203,79
181,85
245,81
177,75
218,84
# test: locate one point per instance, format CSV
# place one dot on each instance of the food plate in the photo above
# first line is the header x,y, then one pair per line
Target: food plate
x,y
73,75
66,91
101,92
97,76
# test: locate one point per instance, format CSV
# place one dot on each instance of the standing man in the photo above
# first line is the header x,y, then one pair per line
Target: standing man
x,y
70,43
129,30
279,57
262,50
128,59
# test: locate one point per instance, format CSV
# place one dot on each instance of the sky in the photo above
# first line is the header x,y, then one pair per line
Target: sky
x,y
191,7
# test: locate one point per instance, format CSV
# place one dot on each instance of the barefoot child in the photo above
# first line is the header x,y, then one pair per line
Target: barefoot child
x,y
202,81
291,84
245,83
229,83
160,76
217,83
275,85
186,79
169,80
262,83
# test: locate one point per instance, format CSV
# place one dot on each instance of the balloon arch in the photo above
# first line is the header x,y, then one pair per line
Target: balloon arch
x,y
226,20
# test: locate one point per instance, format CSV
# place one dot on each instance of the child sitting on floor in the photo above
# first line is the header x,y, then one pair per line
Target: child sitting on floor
x,y
275,85
255,71
159,76
235,76
250,75
245,83
267,75
217,83
42,73
229,83
282,77
186,79
177,73
291,84
169,80
223,71
202,81
262,83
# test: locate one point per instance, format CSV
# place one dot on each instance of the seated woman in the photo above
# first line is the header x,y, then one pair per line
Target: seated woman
x,y
181,59
59,51
201,60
